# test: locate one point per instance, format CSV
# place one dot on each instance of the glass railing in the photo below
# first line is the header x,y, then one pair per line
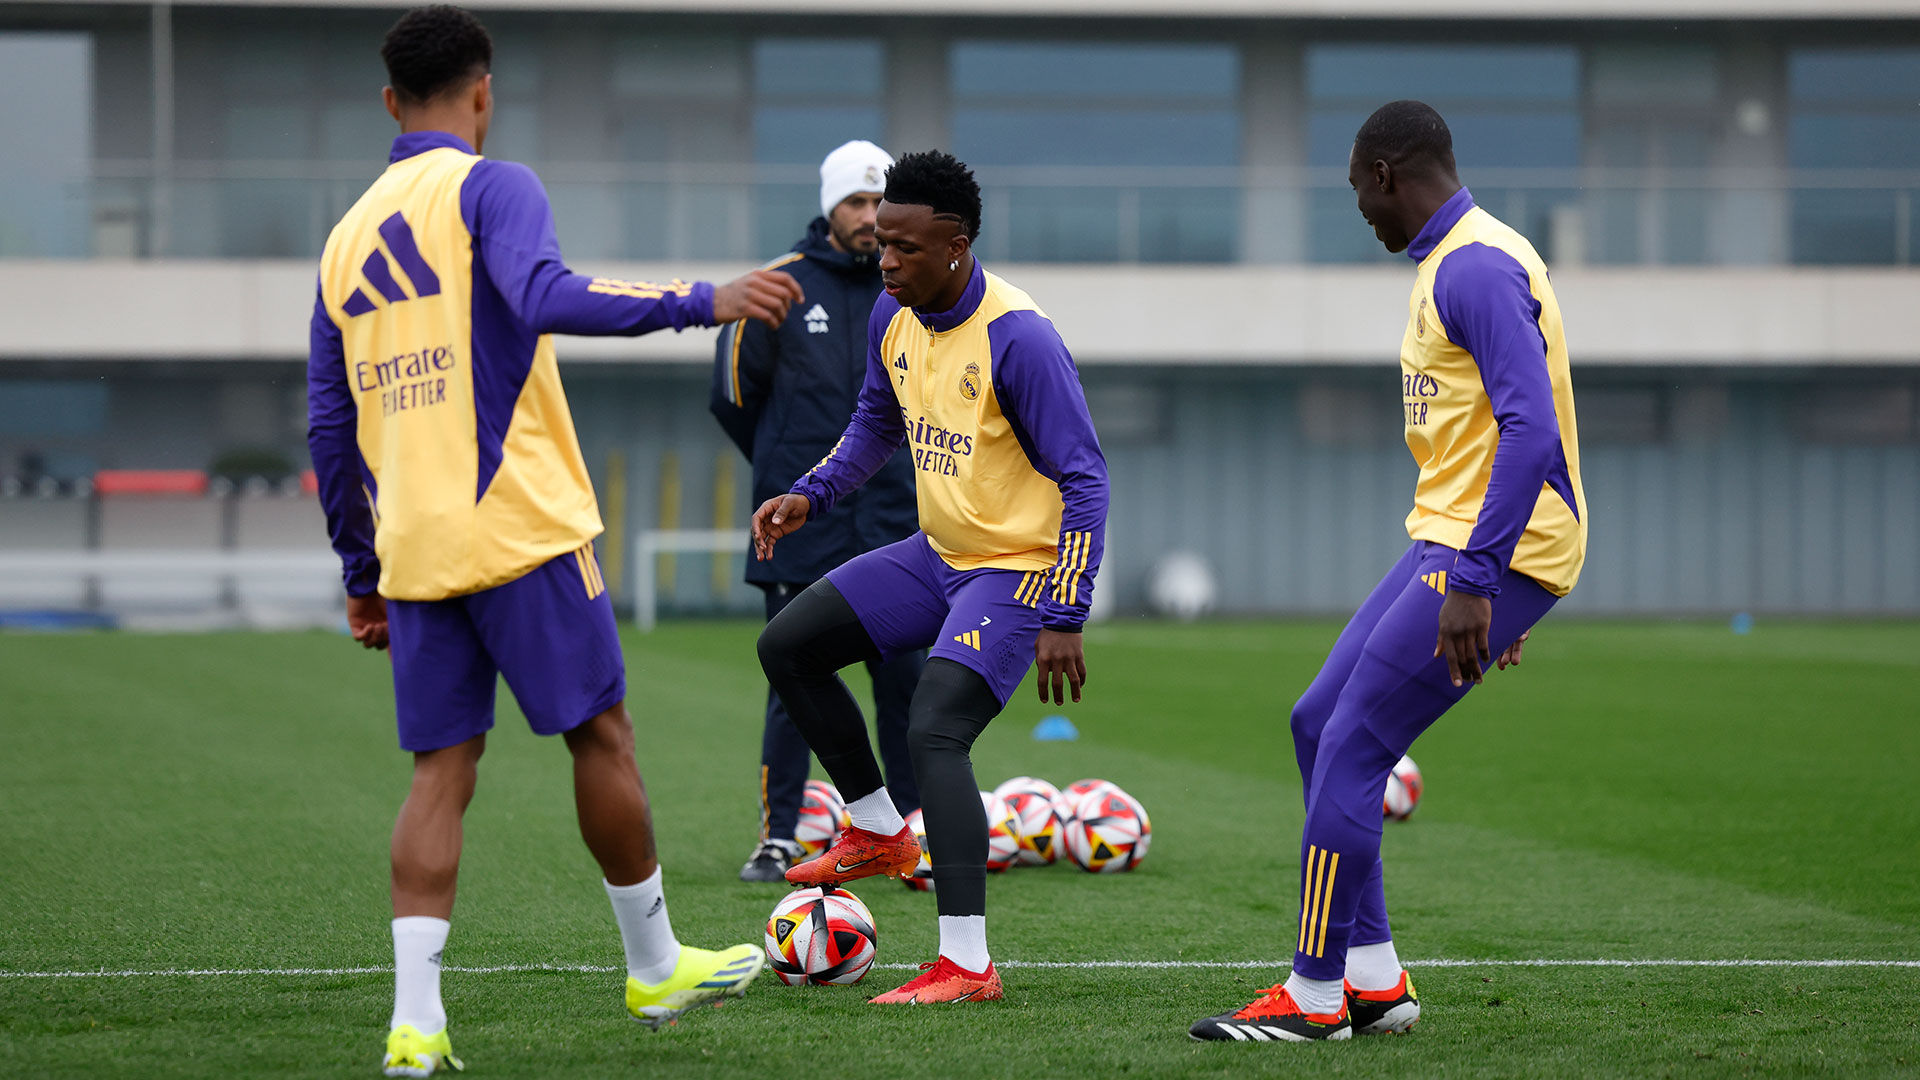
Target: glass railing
x,y
683,212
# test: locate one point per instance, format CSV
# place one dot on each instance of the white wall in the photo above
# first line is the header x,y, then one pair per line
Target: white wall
x,y
242,310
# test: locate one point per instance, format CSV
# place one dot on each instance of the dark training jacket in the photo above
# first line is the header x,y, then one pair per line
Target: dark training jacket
x,y
785,397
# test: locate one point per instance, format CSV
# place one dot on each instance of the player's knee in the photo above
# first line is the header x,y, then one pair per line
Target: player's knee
x,y
779,649
949,708
1309,718
609,732
450,770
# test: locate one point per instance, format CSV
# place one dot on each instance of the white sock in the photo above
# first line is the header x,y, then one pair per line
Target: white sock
x,y
963,940
641,911
1373,967
1316,995
418,941
876,814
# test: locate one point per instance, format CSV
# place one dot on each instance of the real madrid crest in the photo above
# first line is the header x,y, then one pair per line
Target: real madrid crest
x,y
970,382
1420,319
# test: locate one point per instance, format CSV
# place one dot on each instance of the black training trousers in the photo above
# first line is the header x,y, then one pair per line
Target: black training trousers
x,y
803,648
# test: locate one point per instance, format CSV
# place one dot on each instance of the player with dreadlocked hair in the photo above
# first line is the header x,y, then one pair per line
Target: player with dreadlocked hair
x,y
1013,509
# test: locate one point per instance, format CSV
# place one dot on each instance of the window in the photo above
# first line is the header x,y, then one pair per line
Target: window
x,y
46,125
680,118
810,95
1101,152
1511,108
1854,140
1651,119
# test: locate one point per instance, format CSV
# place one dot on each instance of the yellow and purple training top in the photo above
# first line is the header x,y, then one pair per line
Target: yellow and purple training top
x,y
1489,406
1009,470
440,435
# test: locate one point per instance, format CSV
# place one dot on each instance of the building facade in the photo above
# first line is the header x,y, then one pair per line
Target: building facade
x,y
1727,202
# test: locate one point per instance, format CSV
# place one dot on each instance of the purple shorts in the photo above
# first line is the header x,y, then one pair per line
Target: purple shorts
x,y
550,632
908,598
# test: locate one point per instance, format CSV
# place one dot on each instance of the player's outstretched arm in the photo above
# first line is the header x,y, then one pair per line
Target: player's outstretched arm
x,y
766,295
777,517
505,207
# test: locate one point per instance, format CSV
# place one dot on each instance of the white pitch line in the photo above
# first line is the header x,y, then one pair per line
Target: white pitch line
x,y
596,969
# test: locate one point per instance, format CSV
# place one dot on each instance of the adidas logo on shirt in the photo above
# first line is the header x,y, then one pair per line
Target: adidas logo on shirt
x,y
816,320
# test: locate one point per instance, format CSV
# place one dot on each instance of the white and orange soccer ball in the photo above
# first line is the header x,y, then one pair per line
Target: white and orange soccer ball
x,y
1036,815
823,936
1070,796
922,879
1404,787
1003,834
822,815
1109,832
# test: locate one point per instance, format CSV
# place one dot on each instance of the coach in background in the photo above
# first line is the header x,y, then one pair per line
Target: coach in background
x,y
784,397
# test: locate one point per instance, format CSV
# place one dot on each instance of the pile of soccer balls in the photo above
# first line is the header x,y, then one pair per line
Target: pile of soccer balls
x,y
1093,823
825,935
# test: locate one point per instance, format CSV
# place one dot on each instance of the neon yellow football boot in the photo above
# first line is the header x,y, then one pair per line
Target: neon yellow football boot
x,y
409,1053
702,977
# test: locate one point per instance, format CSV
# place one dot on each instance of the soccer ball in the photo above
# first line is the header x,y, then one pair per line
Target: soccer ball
x,y
1079,789
1403,790
1109,831
1003,833
822,815
922,879
1036,812
820,936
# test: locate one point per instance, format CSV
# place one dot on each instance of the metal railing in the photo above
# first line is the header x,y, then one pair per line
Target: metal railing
x,y
1209,214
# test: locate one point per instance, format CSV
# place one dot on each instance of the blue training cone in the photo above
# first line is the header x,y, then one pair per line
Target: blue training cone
x,y
1055,729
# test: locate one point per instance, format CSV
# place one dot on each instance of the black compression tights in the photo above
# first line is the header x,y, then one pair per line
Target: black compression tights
x,y
950,709
801,650
816,636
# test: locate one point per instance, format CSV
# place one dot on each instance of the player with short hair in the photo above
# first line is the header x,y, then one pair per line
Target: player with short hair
x,y
1499,530
1013,504
783,395
463,515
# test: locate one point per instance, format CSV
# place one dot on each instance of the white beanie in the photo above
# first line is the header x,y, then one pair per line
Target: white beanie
x,y
855,167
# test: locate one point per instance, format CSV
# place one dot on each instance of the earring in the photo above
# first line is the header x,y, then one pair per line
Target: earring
x,y
954,265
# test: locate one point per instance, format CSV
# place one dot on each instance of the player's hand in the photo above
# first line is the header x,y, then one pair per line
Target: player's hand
x,y
1511,657
763,294
1464,622
776,518
367,620
1058,655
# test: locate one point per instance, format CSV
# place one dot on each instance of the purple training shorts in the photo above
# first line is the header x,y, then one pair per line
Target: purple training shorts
x,y
549,631
908,598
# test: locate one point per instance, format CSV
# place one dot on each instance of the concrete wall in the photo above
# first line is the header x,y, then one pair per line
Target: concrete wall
x,y
259,310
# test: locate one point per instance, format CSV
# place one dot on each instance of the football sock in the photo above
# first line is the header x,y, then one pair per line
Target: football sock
x,y
875,813
813,637
1316,995
1373,967
645,931
963,940
952,706
418,941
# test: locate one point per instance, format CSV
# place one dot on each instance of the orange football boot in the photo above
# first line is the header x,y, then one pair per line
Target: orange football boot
x,y
944,980
858,854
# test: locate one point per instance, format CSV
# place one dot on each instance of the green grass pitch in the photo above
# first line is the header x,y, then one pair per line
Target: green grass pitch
x,y
1633,791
